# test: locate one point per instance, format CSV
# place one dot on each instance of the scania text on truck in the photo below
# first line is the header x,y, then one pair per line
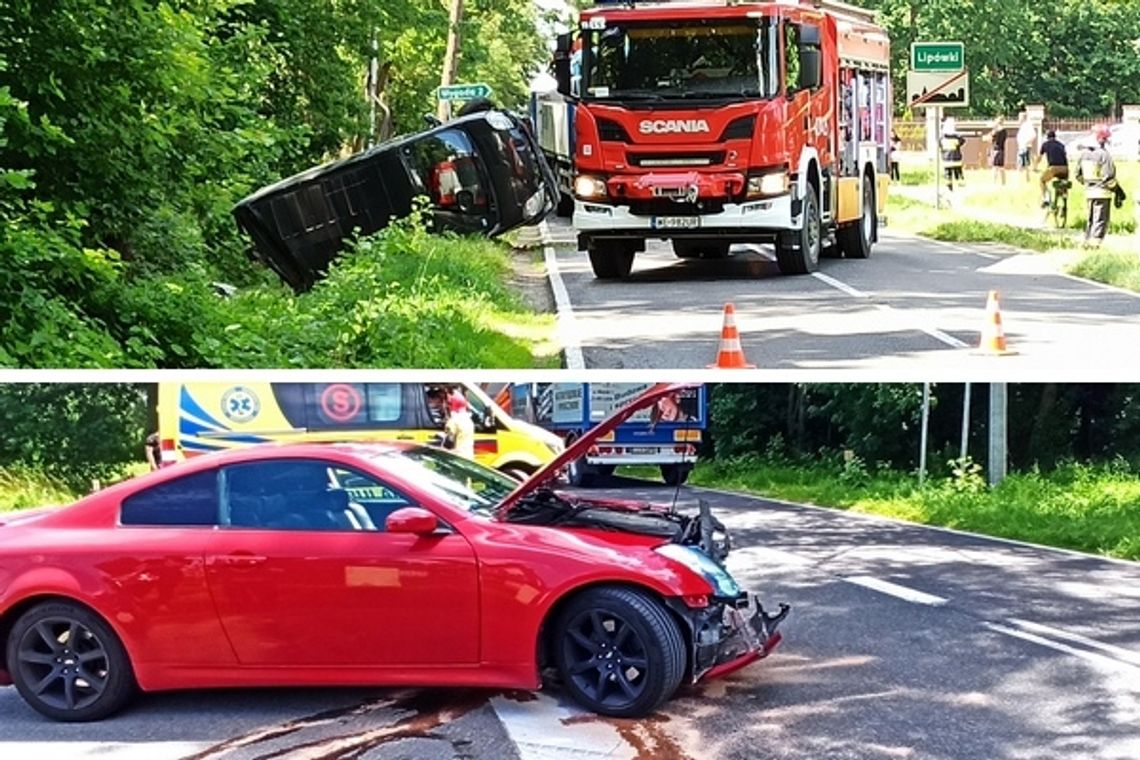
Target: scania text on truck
x,y
714,123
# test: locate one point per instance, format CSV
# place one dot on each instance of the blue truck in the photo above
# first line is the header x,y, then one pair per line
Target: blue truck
x,y
667,435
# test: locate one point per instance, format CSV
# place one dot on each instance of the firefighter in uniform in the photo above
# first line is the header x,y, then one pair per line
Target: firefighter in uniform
x,y
1097,172
951,145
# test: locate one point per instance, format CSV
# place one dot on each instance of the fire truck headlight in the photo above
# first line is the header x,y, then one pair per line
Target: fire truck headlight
x,y
775,183
589,188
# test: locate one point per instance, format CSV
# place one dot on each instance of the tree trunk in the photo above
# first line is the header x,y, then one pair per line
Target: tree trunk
x,y
451,57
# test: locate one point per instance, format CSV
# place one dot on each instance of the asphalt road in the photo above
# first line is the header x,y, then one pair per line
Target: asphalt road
x,y
903,642
916,307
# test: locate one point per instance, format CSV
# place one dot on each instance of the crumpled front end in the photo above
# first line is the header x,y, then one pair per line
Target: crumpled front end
x,y
729,634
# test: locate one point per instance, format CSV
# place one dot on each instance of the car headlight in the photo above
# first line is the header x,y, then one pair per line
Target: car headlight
x,y
774,183
589,188
703,565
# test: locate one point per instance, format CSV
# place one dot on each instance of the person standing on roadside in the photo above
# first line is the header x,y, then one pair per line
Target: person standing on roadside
x,y
998,136
1097,172
1026,136
951,145
460,428
896,146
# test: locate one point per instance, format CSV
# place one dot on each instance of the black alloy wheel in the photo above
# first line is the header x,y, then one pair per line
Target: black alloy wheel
x,y
619,652
68,664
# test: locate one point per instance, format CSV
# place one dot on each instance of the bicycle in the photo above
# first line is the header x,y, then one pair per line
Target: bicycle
x,y
1057,208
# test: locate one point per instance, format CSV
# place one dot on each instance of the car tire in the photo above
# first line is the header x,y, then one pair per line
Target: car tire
x,y
565,208
856,239
580,474
611,261
675,474
797,251
68,664
619,652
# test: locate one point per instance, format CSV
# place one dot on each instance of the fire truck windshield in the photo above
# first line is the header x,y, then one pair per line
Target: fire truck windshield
x,y
670,60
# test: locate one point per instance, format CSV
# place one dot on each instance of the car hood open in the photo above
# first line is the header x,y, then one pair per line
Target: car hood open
x,y
582,445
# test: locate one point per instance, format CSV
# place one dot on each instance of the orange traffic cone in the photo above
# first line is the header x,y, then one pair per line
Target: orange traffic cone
x,y
993,337
731,353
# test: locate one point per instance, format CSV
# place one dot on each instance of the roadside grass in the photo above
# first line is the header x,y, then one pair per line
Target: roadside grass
x,y
23,489
1117,263
401,298
1087,508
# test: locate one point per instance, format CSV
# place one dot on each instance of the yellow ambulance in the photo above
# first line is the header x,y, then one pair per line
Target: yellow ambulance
x,y
200,417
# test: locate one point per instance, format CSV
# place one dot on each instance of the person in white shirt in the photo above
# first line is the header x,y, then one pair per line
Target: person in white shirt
x,y
1026,136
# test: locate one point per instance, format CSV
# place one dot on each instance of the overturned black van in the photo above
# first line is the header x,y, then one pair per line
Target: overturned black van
x,y
481,173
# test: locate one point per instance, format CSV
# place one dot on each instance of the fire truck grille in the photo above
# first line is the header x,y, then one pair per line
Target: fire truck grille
x,y
668,160
666,207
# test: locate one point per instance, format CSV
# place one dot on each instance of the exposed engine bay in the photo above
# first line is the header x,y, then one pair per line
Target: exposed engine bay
x,y
547,507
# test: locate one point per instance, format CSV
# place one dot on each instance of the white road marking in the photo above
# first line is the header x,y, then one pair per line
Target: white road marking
x,y
838,285
545,729
902,592
567,332
1119,653
65,750
1100,659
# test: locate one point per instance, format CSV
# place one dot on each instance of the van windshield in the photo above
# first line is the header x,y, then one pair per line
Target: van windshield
x,y
690,59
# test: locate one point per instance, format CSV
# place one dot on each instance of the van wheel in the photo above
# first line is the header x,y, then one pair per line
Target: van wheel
x,y
68,664
613,260
856,239
619,652
797,251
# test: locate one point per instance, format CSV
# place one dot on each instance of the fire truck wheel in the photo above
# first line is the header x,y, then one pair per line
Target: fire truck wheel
x,y
611,261
797,252
855,239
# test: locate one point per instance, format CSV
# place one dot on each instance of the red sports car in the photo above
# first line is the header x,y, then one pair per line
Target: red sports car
x,y
378,564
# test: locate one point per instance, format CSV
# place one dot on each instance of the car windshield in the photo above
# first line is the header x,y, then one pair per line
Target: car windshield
x,y
452,478
702,59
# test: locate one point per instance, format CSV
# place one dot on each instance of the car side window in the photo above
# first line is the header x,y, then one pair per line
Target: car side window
x,y
791,57
306,495
189,501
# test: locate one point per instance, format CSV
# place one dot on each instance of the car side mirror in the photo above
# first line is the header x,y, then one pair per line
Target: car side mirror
x,y
811,69
411,520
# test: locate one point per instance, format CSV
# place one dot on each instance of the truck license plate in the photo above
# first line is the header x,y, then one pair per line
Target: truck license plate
x,y
675,222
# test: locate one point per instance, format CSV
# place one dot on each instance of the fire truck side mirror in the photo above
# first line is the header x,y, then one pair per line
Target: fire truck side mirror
x,y
811,68
563,51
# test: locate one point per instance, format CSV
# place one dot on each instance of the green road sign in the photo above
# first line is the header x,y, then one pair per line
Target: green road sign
x,y
464,92
937,56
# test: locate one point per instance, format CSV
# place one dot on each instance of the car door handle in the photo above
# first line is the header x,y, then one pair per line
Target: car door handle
x,y
242,560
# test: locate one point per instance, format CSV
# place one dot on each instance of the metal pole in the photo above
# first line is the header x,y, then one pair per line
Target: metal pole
x,y
964,450
998,454
923,435
938,157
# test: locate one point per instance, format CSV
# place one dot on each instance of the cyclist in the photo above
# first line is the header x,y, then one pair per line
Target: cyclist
x,y
1057,164
1097,172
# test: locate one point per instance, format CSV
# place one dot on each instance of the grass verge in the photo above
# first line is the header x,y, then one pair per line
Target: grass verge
x,y
21,489
1093,509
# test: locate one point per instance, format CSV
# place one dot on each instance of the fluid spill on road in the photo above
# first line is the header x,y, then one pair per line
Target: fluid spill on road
x,y
422,713
647,736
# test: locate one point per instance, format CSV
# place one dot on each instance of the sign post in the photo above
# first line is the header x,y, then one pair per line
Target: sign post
x,y
938,79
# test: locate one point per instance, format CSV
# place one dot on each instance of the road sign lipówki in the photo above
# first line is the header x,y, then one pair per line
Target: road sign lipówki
x,y
937,56
464,92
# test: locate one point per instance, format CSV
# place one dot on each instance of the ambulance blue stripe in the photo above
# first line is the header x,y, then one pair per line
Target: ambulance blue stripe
x,y
188,405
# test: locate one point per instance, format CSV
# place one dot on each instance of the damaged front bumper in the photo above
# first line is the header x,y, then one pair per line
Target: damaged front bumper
x,y
731,633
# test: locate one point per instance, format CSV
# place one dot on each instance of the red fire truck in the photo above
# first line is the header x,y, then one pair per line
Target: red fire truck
x,y
720,122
